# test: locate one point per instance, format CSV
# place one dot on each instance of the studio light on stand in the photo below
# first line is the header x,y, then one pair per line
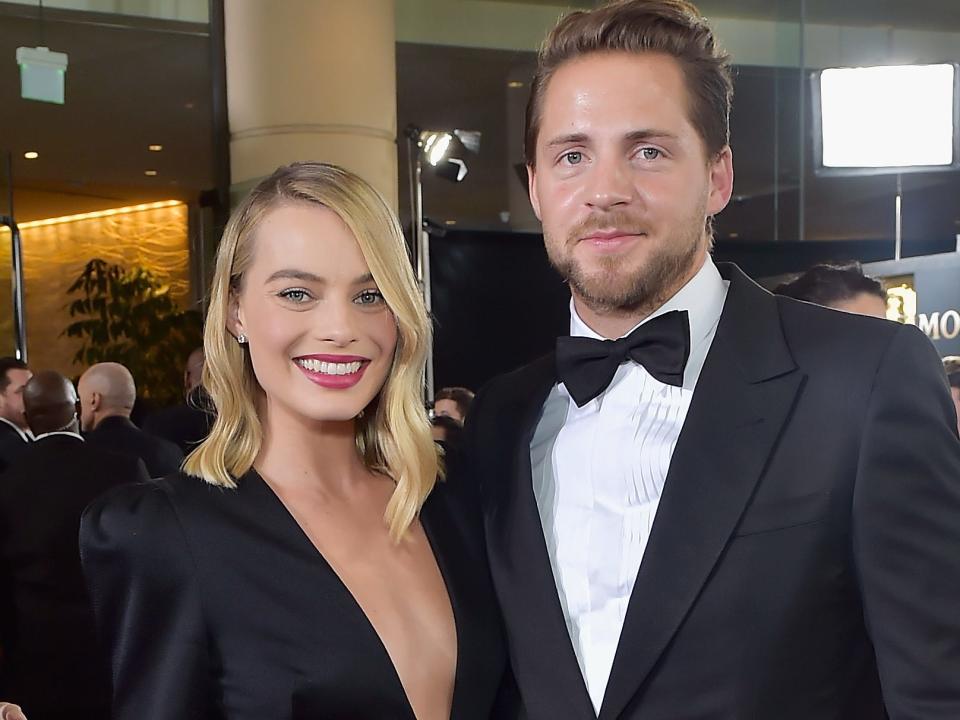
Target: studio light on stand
x,y
442,152
887,120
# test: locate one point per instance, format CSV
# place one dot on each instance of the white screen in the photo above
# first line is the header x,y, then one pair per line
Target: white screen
x,y
895,116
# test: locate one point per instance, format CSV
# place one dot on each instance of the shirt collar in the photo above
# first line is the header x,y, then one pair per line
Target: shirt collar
x,y
702,297
25,434
41,436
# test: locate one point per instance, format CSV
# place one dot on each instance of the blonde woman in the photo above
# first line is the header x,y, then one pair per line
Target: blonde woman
x,y
305,563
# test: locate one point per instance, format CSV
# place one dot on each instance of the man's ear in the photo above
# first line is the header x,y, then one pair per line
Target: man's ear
x,y
532,190
721,181
96,400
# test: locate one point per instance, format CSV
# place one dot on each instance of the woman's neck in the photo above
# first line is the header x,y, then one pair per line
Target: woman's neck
x,y
300,454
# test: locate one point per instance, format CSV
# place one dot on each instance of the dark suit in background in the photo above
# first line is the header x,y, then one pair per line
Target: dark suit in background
x,y
806,549
12,444
118,434
184,425
52,661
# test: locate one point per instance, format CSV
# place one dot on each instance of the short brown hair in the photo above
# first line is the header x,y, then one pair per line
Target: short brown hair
x,y
462,396
673,27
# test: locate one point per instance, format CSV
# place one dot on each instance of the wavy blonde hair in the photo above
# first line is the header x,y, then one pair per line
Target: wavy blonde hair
x,y
393,434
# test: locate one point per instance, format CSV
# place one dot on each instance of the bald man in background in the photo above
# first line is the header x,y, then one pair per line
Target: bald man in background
x,y
107,393
186,424
52,667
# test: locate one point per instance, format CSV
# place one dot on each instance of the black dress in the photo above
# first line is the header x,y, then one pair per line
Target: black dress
x,y
213,603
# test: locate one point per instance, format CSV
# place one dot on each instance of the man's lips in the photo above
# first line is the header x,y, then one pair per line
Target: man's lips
x,y
610,235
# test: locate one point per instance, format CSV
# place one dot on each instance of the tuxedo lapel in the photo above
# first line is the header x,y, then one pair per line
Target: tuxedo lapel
x,y
742,399
541,651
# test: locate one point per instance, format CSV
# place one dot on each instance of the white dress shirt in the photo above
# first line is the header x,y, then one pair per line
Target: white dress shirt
x,y
598,472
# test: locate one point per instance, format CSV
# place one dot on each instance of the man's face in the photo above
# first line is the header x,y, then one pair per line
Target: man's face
x,y
622,183
447,407
11,399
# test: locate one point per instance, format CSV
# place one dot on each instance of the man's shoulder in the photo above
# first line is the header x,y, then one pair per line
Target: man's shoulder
x,y
815,333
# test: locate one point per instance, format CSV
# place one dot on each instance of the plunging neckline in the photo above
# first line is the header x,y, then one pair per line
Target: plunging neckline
x,y
441,567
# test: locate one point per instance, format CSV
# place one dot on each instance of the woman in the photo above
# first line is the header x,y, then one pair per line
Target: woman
x,y
303,565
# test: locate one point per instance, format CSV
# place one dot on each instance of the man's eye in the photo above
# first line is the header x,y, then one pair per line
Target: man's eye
x,y
650,153
369,297
295,295
573,157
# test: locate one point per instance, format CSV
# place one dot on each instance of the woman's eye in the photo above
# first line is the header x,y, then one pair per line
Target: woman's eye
x,y
369,297
295,295
574,157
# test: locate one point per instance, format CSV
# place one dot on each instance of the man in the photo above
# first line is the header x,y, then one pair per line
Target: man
x,y
107,394
749,507
841,287
14,433
453,402
951,365
187,424
51,661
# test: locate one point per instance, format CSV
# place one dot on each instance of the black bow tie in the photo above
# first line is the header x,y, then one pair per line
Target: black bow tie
x,y
662,345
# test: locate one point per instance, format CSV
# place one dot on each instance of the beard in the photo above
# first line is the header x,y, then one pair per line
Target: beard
x,y
613,285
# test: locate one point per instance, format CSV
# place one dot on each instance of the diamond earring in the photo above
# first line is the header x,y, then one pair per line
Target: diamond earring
x,y
242,339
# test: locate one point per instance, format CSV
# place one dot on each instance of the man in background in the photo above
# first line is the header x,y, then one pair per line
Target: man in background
x,y
107,393
453,402
51,663
951,364
841,287
187,424
14,433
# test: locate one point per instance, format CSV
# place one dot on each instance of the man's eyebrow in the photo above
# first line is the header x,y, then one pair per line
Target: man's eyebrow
x,y
569,139
650,134
632,136
304,276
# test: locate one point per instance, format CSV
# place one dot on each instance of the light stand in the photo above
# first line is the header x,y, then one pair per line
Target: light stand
x,y
436,145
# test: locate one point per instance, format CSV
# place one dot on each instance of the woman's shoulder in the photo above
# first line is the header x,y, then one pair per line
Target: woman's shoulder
x,y
145,512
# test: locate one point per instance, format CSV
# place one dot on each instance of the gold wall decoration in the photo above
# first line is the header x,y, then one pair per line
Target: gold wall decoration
x,y
901,298
55,251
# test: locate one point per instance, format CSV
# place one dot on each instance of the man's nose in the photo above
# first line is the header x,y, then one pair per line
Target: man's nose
x,y
609,184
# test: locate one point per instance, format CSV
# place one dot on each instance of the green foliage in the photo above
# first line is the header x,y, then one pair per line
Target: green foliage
x,y
128,316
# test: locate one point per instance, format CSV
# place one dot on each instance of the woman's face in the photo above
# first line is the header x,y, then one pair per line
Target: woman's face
x,y
321,337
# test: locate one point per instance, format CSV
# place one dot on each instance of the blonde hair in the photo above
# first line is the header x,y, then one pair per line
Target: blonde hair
x,y
393,434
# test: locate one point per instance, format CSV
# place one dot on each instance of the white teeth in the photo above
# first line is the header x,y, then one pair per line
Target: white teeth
x,y
328,368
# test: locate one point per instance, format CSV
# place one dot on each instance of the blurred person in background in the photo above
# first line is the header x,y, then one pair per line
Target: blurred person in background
x,y
14,431
453,402
52,662
841,287
107,393
188,423
951,364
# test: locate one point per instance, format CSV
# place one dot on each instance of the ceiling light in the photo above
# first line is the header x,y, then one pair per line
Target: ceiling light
x,y
150,173
31,155
154,148
514,84
449,222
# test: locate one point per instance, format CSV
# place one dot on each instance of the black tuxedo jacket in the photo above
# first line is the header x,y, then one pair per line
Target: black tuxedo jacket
x,y
51,660
806,549
118,434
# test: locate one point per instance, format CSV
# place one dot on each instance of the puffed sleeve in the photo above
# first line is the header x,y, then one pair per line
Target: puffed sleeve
x,y
144,588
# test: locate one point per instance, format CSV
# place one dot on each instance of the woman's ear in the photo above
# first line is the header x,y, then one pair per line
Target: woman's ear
x,y
234,315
